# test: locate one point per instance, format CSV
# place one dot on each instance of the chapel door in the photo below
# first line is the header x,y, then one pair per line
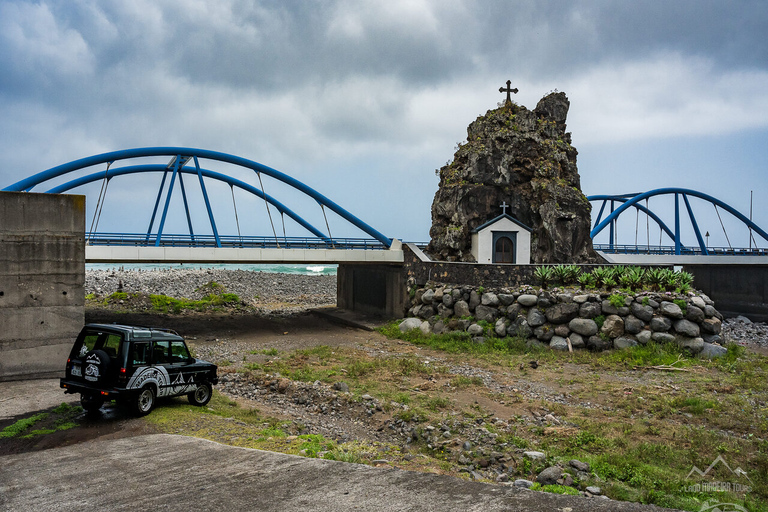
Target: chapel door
x,y
504,251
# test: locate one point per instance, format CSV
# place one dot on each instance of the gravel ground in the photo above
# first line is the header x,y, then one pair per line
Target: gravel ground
x,y
743,331
254,288
294,292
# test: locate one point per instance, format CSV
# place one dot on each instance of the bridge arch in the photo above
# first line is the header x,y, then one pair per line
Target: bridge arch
x,y
630,201
178,167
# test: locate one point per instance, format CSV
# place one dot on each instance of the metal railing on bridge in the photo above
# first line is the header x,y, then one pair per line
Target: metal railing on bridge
x,y
245,242
670,250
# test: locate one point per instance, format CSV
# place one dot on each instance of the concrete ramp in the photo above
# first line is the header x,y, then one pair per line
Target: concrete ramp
x,y
166,472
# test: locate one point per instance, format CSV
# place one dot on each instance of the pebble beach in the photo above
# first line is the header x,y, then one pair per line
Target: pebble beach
x,y
251,286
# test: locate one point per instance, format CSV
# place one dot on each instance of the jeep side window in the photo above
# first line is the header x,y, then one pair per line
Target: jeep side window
x,y
160,352
140,353
112,345
179,352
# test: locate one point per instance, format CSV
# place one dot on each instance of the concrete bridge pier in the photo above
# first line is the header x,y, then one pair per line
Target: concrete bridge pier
x,y
376,290
42,275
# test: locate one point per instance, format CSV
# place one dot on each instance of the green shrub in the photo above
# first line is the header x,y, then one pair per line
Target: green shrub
x,y
617,300
599,320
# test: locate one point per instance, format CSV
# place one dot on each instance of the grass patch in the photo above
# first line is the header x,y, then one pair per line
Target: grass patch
x,y
22,425
456,342
165,304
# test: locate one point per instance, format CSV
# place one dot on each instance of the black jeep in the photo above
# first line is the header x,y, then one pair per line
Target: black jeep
x,y
135,366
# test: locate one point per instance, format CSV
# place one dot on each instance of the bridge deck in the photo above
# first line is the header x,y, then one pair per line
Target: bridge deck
x,y
134,254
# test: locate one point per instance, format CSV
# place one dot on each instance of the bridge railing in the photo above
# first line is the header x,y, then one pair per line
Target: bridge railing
x,y
248,242
689,251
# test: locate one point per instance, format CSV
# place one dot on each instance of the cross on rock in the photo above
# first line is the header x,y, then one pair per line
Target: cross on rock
x,y
504,207
508,90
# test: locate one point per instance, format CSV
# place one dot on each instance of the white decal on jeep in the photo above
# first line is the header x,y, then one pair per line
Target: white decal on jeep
x,y
146,375
92,370
180,387
158,376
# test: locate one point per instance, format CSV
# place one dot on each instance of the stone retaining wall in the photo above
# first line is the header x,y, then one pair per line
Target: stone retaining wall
x,y
571,319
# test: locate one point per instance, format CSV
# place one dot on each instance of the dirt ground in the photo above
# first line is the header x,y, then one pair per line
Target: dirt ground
x,y
223,337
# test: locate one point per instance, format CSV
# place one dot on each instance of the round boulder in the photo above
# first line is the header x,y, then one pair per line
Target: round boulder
x,y
660,324
687,328
670,309
590,310
711,325
613,327
409,324
550,476
583,326
623,342
461,308
633,325
597,344
559,343
644,313
562,313
536,317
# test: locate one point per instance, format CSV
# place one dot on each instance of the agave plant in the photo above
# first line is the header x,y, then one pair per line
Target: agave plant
x,y
669,279
655,278
616,272
586,280
544,275
560,272
599,275
632,278
573,273
684,278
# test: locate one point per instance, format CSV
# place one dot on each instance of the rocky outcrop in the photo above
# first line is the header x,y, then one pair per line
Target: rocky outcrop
x,y
524,158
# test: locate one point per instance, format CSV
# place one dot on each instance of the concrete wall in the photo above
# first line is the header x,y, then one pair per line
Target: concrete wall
x,y
736,289
42,273
377,290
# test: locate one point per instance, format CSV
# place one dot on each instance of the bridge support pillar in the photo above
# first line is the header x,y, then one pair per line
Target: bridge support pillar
x,y
377,290
736,289
42,277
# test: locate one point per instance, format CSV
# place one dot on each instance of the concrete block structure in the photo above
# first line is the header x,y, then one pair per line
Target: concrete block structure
x,y
42,275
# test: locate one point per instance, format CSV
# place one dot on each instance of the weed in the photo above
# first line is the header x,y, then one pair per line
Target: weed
x,y
266,352
22,425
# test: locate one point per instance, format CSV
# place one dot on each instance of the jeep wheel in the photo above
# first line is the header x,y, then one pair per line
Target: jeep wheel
x,y
91,403
144,401
202,395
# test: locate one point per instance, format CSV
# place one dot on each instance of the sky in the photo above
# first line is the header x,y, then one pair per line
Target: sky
x,y
364,100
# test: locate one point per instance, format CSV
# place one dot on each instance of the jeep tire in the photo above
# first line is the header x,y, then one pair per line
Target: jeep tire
x,y
144,402
202,395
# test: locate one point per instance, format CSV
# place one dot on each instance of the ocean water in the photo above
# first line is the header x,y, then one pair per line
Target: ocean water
x,y
278,268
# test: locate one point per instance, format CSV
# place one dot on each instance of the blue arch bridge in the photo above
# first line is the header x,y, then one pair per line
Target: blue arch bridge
x,y
317,244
